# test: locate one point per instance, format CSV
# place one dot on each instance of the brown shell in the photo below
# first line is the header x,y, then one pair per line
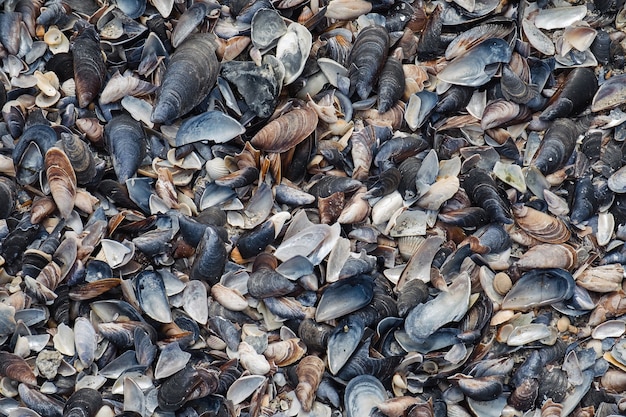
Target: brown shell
x,y
93,289
540,225
286,131
309,371
551,409
92,129
62,180
424,409
285,352
603,278
547,255
524,396
16,368
42,208
614,380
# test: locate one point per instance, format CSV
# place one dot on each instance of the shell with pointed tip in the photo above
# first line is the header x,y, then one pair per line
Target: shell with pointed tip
x,y
62,180
540,225
309,371
476,67
391,84
16,368
84,402
89,67
539,287
366,60
286,131
190,75
127,145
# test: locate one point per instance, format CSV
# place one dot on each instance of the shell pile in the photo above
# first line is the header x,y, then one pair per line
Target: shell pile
x,y
312,208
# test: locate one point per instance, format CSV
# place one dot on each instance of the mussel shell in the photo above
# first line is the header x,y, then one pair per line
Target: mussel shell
x,y
84,402
127,144
367,57
344,297
190,75
363,393
539,287
390,84
89,67
210,258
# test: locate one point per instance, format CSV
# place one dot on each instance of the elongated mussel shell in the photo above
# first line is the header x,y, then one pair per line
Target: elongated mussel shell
x,y
540,225
367,57
62,180
476,67
578,89
483,191
557,146
190,75
152,297
16,368
83,403
390,85
344,297
286,131
89,68
539,287
127,145
81,158
210,259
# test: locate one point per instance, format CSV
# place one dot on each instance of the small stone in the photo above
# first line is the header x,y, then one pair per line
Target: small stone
x,y
48,362
563,324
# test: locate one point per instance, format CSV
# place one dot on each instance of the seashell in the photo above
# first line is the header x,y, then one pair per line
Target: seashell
x,y
547,286
482,189
362,394
61,179
56,40
285,352
424,319
193,64
250,360
603,278
230,298
84,402
501,113
287,131
484,388
293,50
609,94
39,402
474,68
524,395
548,256
243,387
309,371
126,141
120,86
347,10
391,84
188,22
359,290
419,108
259,85
210,258
540,226
614,380
211,125
16,368
577,91
366,60
266,28
151,296
559,17
89,68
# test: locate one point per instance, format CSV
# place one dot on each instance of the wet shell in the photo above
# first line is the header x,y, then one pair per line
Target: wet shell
x,y
191,73
287,131
540,226
367,57
89,68
62,180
